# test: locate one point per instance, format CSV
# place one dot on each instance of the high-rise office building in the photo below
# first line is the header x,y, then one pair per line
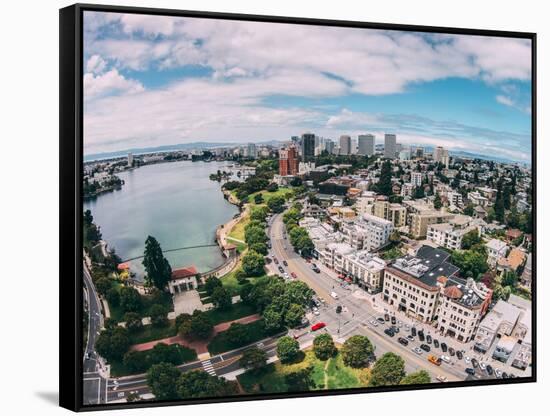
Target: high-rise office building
x,y
365,145
288,161
441,155
390,146
251,151
345,145
130,159
308,147
329,146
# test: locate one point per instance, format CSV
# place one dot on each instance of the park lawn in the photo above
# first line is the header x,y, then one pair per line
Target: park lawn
x,y
220,343
284,192
152,333
237,232
118,369
230,282
237,311
330,374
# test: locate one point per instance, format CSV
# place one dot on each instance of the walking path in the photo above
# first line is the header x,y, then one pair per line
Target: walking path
x,y
200,346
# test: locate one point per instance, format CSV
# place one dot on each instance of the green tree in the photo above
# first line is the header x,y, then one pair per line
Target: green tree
x,y
133,321
418,377
288,349
259,248
211,284
300,380
470,239
323,347
158,315
221,298
130,299
276,204
273,318
419,192
272,187
254,234
472,263
157,267
384,185
237,334
388,370
162,380
294,315
103,285
357,351
113,343
196,384
253,359
113,297
469,210
201,326
509,278
253,263
258,198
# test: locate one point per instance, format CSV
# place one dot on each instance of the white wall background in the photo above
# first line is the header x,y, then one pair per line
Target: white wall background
x,y
29,207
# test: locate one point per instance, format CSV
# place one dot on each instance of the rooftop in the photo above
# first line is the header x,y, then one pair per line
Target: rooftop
x,y
184,272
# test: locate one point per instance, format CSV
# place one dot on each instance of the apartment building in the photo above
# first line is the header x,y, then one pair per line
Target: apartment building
x,y
496,249
407,189
366,269
426,287
416,178
334,254
378,231
395,213
420,221
449,234
477,199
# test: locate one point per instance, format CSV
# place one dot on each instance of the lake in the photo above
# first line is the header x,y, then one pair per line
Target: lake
x,y
174,202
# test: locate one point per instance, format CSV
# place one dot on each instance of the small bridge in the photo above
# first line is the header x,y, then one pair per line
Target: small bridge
x,y
176,249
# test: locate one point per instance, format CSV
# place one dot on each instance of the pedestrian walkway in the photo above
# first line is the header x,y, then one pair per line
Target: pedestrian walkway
x,y
207,365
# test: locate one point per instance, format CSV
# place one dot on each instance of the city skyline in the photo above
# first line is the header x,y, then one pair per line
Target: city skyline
x,y
159,81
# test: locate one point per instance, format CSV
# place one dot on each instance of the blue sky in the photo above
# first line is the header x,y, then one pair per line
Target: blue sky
x,y
153,80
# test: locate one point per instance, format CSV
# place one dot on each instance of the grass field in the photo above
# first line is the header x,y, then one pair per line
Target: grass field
x,y
330,374
284,192
231,283
220,343
151,333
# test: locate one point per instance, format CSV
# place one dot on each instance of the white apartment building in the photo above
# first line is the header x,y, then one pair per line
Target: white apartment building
x,y
496,249
455,199
477,199
333,255
407,189
416,178
449,234
378,231
365,269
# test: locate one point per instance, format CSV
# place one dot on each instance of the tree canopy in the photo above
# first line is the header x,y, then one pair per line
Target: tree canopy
x,y
388,370
357,351
157,267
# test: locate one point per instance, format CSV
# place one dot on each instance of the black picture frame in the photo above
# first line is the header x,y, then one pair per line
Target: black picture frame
x,y
70,214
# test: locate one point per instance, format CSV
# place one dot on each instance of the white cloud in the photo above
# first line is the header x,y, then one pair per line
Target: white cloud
x,y
95,64
502,99
108,83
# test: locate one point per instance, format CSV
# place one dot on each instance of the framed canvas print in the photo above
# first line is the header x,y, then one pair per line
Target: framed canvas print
x,y
257,207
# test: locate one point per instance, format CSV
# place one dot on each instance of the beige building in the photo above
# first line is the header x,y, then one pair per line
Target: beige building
x,y
395,213
366,269
419,222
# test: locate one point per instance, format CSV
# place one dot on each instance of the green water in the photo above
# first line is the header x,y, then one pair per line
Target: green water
x,y
174,202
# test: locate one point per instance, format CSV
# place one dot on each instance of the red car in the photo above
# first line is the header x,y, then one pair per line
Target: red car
x,y
293,275
318,326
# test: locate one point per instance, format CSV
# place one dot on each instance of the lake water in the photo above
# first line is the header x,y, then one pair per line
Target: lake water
x,y
174,202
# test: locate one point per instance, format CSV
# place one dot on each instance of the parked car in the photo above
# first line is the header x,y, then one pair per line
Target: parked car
x,y
395,329
389,332
421,335
285,263
316,270
475,363
467,359
489,369
410,337
446,358
434,360
275,260
436,343
416,350
281,269
483,366
459,355
441,379
451,351
393,321
505,375
403,341
425,347
429,339
374,323
443,347
293,275
334,295
318,325
470,371
386,317
380,319
413,331
498,373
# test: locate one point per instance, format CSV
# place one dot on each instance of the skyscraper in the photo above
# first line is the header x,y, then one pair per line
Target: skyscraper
x,y
251,151
329,146
345,145
441,155
288,161
366,144
308,147
390,146
130,159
